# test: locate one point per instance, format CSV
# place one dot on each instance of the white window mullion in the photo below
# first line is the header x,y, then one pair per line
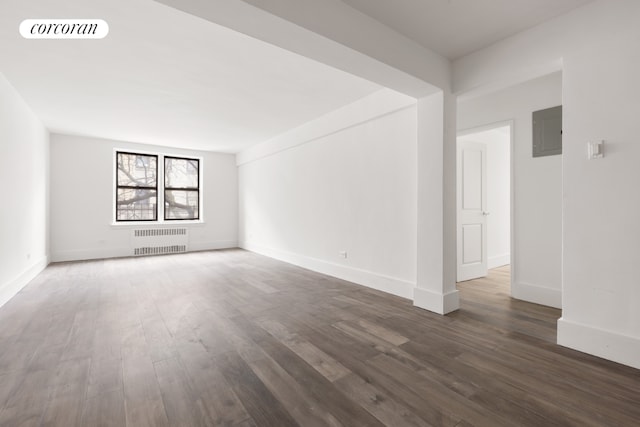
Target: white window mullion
x,y
161,188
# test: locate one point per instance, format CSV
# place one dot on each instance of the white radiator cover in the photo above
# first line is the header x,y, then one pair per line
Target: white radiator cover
x,y
159,241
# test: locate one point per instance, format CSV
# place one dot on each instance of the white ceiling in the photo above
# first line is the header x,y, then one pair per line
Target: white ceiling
x,y
454,28
165,77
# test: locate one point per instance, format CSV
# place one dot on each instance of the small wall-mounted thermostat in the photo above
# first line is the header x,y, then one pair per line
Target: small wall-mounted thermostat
x,y
595,150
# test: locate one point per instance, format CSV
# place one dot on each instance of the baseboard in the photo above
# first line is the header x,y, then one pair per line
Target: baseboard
x,y
498,261
211,246
436,302
89,254
598,342
537,294
391,285
10,289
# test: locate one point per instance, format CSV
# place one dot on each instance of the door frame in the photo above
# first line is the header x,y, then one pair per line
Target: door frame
x,y
512,186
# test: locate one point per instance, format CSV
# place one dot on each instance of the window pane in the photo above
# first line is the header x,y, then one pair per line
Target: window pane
x,y
180,173
136,204
181,204
137,170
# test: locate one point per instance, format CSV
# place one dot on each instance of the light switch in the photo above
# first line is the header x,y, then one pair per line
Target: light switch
x,y
595,150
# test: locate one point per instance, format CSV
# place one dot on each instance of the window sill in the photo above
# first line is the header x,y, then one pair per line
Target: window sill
x,y
157,224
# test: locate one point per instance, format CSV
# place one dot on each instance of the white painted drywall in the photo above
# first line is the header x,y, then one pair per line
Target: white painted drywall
x,y
537,204
436,209
597,48
82,188
601,281
24,173
333,33
541,50
498,143
344,187
224,81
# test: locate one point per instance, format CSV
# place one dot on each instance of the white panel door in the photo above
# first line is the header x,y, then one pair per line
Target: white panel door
x,y
472,210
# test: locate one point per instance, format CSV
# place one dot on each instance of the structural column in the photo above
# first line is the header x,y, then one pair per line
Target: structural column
x,y
436,234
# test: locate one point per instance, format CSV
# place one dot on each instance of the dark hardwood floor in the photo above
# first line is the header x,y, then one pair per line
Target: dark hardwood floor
x,y
236,339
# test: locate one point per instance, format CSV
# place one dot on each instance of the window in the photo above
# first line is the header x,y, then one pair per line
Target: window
x,y
181,188
137,187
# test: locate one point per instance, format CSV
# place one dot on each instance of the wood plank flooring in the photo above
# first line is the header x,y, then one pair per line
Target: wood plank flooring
x,y
232,338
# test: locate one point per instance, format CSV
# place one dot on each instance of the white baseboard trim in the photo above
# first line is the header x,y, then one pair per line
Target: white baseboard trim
x,y
391,285
435,301
10,289
537,294
598,342
498,261
89,254
212,246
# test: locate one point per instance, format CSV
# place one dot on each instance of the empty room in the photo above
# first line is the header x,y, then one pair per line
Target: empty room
x,y
319,213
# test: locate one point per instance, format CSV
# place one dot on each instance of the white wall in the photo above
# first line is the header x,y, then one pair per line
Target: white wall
x,y
601,289
347,182
24,173
597,48
82,188
537,205
436,226
498,143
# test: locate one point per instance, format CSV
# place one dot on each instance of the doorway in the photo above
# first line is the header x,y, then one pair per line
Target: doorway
x,y
484,200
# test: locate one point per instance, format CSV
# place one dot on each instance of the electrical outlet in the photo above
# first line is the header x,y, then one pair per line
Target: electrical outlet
x,y
343,254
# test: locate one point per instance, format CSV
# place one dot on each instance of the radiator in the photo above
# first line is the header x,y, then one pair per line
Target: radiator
x,y
159,241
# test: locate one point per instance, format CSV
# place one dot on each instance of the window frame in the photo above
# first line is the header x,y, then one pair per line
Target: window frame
x,y
118,187
165,188
159,221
